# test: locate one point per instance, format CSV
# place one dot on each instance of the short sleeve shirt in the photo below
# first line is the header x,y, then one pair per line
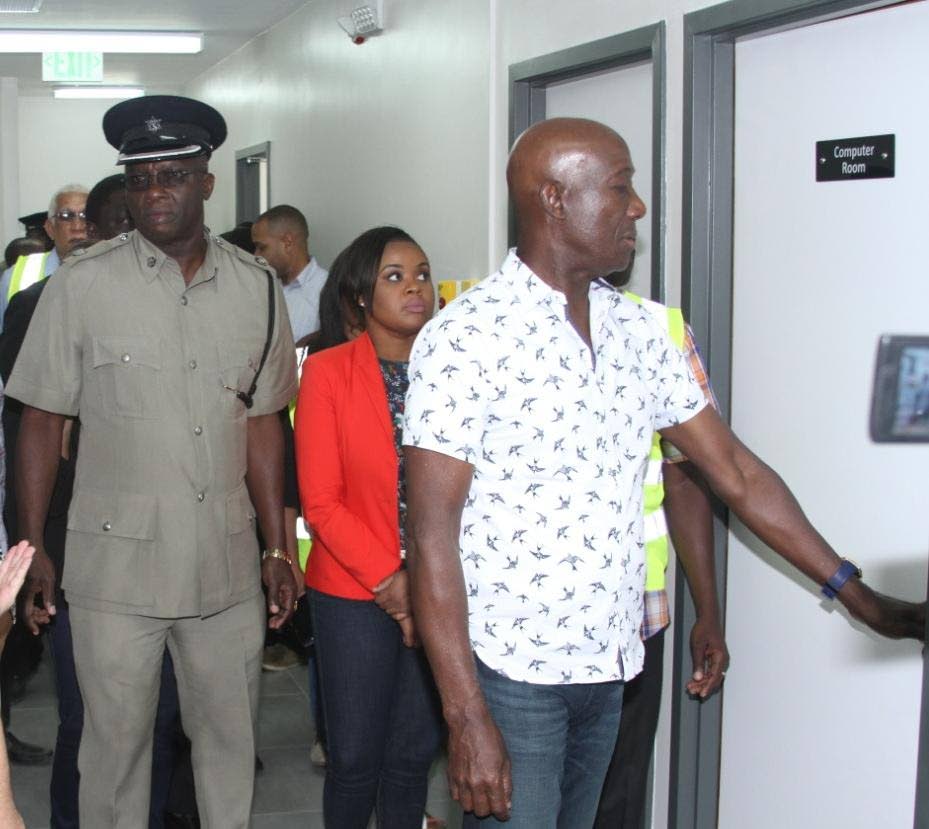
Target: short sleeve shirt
x,y
551,534
160,522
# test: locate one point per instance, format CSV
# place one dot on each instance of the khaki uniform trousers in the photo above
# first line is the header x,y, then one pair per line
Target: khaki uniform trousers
x,y
217,661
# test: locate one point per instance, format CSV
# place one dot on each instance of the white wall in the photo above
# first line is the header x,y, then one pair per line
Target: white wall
x,y
60,142
392,131
9,159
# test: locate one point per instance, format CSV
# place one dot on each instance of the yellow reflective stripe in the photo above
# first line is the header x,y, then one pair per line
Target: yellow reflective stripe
x,y
27,271
675,320
656,562
655,525
653,472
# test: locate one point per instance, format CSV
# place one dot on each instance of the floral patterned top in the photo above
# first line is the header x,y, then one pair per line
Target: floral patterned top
x,y
396,382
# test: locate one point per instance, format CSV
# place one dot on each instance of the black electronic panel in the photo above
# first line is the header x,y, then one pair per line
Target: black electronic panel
x,y
900,403
847,159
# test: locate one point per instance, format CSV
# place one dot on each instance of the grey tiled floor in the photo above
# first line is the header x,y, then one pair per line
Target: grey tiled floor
x,y
288,793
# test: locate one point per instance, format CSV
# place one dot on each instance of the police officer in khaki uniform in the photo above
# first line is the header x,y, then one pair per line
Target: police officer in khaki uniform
x,y
174,349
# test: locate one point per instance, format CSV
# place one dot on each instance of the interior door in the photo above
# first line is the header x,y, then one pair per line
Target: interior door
x,y
820,719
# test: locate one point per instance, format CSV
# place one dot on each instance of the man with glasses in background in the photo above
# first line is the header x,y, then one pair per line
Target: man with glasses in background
x,y
67,226
175,350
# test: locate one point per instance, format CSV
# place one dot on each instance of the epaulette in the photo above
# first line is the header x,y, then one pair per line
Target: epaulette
x,y
97,249
244,255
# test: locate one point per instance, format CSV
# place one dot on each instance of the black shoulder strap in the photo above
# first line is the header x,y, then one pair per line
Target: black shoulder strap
x,y
247,397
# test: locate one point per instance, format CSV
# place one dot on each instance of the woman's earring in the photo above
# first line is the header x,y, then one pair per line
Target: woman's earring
x,y
361,302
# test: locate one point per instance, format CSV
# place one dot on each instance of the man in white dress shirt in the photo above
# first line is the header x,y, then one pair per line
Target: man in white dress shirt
x,y
282,237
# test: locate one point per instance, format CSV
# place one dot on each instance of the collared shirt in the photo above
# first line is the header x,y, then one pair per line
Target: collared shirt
x,y
160,523
302,298
657,612
551,533
52,262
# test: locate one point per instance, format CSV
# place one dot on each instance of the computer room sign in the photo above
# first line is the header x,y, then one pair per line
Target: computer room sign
x,y
847,159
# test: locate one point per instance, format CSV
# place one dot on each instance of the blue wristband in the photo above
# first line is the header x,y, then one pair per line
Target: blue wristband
x,y
836,582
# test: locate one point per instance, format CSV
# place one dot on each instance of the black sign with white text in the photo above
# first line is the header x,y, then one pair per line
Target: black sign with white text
x,y
871,156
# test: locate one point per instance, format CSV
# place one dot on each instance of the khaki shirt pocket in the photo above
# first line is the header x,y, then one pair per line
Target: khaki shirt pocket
x,y
237,361
111,546
127,374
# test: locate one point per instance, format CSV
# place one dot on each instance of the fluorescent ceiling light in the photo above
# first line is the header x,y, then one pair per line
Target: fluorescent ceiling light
x,y
113,92
40,40
19,6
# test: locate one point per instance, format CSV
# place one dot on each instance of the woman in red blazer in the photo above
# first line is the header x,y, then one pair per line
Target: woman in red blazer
x,y
382,714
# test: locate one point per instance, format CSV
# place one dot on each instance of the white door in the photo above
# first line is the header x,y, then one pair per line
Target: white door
x,y
621,99
820,719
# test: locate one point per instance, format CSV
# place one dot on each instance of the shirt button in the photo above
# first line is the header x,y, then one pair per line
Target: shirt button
x,y
107,526
198,430
192,364
125,358
152,261
183,300
201,496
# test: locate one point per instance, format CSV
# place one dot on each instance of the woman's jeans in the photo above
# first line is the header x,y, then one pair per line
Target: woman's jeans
x,y
382,714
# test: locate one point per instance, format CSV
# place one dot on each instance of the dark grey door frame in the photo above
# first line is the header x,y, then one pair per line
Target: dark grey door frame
x,y
706,295
245,160
529,80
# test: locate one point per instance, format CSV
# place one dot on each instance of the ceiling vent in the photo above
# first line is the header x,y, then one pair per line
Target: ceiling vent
x,y
19,6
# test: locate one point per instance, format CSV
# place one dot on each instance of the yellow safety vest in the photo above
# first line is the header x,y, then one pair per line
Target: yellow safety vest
x,y
656,528
27,270
304,538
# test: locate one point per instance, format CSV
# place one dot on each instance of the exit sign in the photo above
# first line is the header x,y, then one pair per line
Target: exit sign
x,y
72,67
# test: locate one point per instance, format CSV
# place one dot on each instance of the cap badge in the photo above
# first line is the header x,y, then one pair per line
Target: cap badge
x,y
153,124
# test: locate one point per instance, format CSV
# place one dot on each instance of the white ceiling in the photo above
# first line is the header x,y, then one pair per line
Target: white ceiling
x,y
226,24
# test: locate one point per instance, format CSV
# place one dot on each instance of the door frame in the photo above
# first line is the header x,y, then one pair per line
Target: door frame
x,y
257,153
706,294
529,80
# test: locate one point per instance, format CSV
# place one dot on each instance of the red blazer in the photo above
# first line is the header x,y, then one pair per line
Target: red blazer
x,y
347,470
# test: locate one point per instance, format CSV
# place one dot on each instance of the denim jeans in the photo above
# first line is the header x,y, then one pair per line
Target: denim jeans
x,y
383,721
560,739
316,701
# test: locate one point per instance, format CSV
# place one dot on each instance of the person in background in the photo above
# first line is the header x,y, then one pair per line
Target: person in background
x,y
281,236
240,236
676,505
22,246
66,226
35,228
106,210
381,712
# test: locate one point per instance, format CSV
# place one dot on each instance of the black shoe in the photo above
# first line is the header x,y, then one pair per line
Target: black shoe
x,y
177,821
26,754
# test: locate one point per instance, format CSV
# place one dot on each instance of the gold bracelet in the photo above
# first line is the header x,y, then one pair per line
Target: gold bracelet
x,y
276,553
